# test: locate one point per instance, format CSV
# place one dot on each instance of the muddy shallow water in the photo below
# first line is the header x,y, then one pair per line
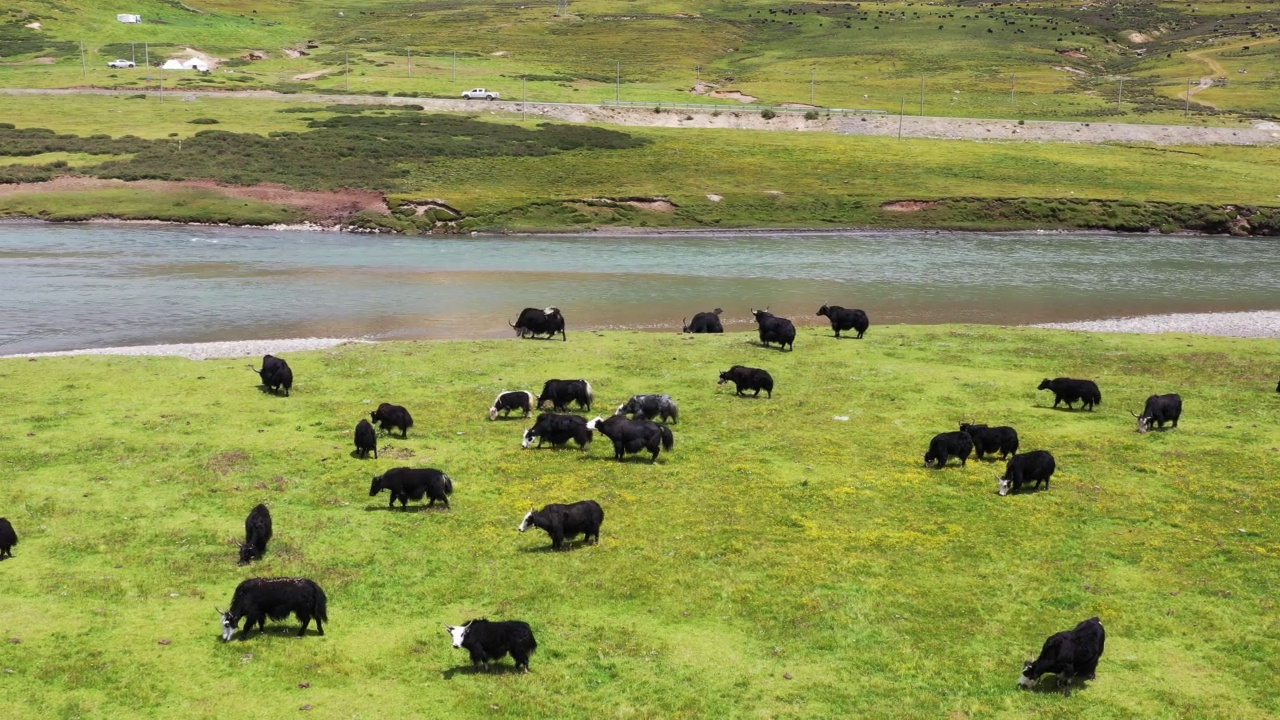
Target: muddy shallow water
x,y
96,285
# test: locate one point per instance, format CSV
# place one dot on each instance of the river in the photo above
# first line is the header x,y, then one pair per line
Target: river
x,y
76,286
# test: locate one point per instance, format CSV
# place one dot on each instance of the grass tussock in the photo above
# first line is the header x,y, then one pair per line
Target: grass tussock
x,y
790,558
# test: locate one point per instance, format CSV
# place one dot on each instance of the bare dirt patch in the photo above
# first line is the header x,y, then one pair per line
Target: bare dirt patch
x,y
1074,54
733,95
33,26
227,463
186,52
1065,68
313,75
1137,37
324,206
909,205
294,52
654,204
798,105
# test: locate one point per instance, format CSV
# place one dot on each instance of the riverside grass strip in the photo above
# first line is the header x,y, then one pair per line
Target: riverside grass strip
x,y
781,561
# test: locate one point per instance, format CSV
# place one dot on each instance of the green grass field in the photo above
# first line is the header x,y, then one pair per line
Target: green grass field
x,y
1063,59
782,561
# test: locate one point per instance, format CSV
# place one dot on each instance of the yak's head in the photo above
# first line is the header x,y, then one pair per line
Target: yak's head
x,y
717,312
625,408
594,423
1006,486
824,310
684,328
525,524
1144,422
760,315
1027,682
1044,384
929,459
247,553
229,623
459,633
376,487
724,378
493,412
552,312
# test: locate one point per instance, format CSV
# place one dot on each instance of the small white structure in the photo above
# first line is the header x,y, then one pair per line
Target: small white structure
x,y
186,64
129,18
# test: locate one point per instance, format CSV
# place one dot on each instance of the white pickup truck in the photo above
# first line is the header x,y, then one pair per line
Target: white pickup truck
x,y
120,64
480,94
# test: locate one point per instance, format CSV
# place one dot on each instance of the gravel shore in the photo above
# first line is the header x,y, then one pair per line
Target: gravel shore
x,y
210,350
1258,324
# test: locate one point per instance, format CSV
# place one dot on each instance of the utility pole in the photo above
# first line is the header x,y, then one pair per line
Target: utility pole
x,y
409,53
1187,110
901,111
161,84
453,77
346,76
921,96
812,73
1013,89
524,95
133,53
83,70
1120,95
617,83
146,50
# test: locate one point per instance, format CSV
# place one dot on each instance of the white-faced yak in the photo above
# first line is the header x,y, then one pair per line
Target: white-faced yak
x,y
489,641
1159,410
566,521
509,400
1069,654
1036,466
558,430
257,599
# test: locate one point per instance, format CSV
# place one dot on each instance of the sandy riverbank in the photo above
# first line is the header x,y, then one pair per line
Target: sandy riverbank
x,y
207,351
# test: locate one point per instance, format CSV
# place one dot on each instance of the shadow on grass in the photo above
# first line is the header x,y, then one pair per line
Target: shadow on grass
x,y
1057,688
268,391
282,630
494,669
356,454
569,546
406,509
1061,408
641,457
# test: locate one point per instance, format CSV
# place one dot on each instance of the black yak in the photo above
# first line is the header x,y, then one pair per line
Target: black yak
x,y
275,374
562,392
1001,439
408,484
366,439
390,417
845,319
566,521
558,430
8,538
1069,391
490,640
632,436
774,329
509,400
705,322
534,322
748,378
257,599
945,446
257,533
1159,410
1036,466
651,407
1069,654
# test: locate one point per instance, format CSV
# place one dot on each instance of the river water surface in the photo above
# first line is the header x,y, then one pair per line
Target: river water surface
x,y
65,287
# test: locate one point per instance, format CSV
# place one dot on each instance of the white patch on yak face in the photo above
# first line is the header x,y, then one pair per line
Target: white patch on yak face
x,y
228,627
458,634
524,524
591,425
1026,682
493,413
528,438
1144,424
549,310
1005,486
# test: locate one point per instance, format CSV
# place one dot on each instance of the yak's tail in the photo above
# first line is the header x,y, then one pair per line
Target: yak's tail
x,y
668,440
448,484
321,609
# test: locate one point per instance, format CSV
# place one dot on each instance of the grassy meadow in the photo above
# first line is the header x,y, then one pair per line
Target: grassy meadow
x,y
1048,59
790,558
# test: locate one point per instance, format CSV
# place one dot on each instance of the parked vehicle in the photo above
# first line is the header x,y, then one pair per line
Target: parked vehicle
x,y
121,64
480,94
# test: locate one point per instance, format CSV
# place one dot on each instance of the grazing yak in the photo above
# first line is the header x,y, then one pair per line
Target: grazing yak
x,y
566,521
257,599
390,417
509,400
275,374
1069,391
490,640
945,446
774,329
534,322
562,392
1036,466
1159,410
632,436
651,407
366,439
705,322
257,533
748,378
408,484
843,319
1001,439
1069,654
8,538
558,430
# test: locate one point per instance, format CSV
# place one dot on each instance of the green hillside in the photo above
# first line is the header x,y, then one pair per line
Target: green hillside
x,y
1050,59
